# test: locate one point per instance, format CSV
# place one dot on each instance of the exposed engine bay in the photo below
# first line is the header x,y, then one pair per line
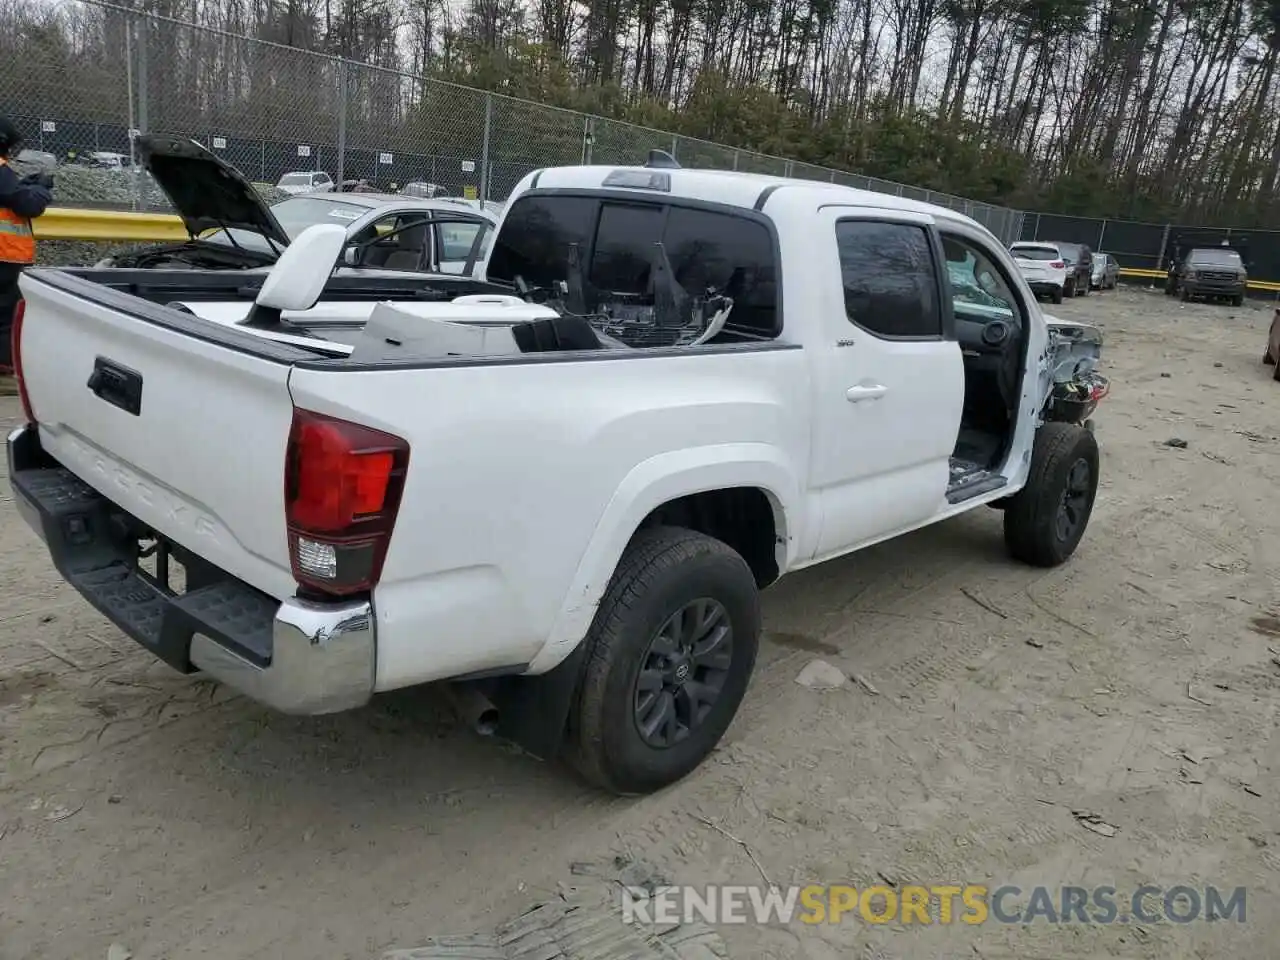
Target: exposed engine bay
x,y
192,255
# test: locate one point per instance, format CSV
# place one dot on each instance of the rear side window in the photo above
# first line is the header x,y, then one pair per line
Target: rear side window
x,y
890,279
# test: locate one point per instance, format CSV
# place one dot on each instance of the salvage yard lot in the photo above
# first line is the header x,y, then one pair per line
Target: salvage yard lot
x,y
994,704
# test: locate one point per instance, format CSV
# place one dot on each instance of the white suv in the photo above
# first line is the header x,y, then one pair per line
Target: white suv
x,y
1043,268
306,181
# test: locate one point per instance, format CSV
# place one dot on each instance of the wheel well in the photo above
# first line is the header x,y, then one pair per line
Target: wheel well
x,y
741,517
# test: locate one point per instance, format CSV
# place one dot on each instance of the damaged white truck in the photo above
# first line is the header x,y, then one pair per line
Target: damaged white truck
x,y
561,488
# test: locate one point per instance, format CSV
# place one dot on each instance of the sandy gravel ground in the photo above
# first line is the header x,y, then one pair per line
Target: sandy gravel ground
x,y
1138,683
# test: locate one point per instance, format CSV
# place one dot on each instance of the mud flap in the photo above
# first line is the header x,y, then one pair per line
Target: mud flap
x,y
533,711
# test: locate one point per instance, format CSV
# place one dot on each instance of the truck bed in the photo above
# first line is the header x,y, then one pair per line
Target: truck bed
x,y
200,458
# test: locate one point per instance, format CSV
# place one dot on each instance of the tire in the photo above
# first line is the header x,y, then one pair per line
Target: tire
x,y
1267,358
1185,294
1237,301
1069,288
664,571
1056,296
1034,530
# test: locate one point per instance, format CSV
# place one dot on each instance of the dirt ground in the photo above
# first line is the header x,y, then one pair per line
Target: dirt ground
x,y
1138,683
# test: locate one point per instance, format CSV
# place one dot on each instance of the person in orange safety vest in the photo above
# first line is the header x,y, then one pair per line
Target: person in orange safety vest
x,y
21,199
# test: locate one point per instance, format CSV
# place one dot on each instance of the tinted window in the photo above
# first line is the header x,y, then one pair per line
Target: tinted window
x,y
1047,254
732,254
535,238
890,284
624,247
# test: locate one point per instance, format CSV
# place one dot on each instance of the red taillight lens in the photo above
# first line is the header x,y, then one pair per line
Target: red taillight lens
x,y
342,487
15,351
1057,264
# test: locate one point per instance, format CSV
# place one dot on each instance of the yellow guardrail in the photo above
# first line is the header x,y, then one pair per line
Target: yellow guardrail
x,y
71,223
1141,273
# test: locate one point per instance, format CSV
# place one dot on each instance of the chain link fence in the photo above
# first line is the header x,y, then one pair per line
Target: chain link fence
x,y
271,109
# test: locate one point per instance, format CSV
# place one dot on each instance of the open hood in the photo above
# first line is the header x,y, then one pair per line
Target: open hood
x,y
206,192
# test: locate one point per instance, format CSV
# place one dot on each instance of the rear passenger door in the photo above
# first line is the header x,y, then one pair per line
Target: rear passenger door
x,y
889,383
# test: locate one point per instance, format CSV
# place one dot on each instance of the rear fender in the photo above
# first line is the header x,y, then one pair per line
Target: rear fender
x,y
652,483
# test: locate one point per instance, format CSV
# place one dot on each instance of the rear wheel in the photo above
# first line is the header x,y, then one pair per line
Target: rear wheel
x,y
671,650
1045,521
1056,296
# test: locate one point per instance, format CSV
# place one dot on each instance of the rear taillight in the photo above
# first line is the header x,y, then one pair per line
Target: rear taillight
x,y
342,486
1057,265
15,352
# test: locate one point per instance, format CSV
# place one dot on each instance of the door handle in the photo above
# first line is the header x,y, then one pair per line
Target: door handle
x,y
858,394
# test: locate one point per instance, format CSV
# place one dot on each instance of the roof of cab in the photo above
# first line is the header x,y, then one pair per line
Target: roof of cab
x,y
733,188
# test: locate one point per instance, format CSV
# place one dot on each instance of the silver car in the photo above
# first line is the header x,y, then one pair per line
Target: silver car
x,y
1106,272
233,228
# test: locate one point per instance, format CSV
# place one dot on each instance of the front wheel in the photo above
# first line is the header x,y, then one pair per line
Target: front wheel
x,y
1056,296
1069,288
669,655
1045,521
1237,300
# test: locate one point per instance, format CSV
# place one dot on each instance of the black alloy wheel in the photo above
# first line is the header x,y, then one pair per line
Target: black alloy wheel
x,y
684,670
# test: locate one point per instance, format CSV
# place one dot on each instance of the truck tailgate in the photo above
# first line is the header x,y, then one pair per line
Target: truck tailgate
x,y
199,457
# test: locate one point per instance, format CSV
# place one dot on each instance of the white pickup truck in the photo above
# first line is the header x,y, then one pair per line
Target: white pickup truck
x,y
564,490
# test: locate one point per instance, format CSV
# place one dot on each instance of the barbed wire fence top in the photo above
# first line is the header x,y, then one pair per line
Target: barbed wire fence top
x,y
270,109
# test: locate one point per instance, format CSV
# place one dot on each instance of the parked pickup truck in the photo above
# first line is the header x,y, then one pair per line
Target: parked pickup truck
x,y
562,488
